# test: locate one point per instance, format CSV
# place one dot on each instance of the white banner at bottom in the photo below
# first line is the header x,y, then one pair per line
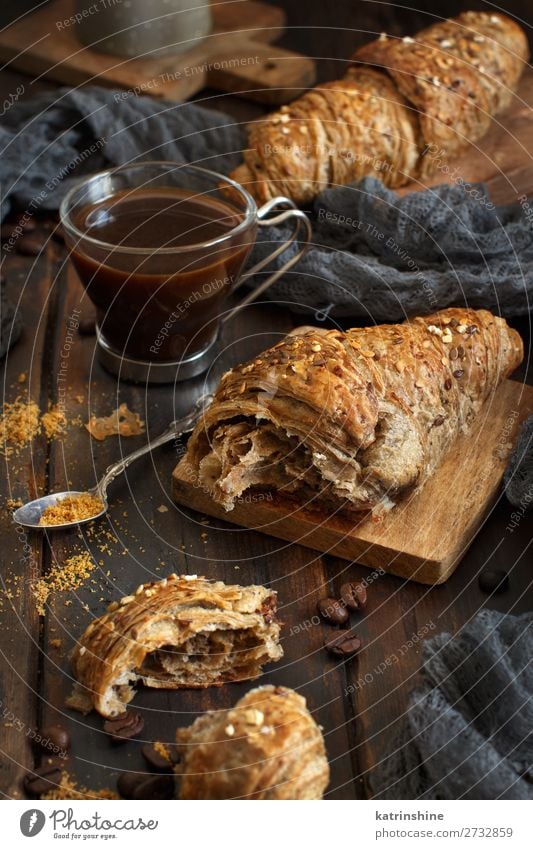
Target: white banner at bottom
x,y
236,825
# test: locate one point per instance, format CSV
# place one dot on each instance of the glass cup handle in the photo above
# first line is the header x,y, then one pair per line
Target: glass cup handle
x,y
302,231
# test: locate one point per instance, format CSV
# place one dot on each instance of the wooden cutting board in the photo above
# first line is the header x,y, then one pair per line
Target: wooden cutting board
x,y
422,539
237,57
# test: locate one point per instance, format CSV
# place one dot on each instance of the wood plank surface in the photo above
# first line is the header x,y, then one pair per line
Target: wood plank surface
x,y
424,537
361,703
24,476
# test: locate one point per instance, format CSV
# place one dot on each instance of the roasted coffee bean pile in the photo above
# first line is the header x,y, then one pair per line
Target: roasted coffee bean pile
x,y
344,644
353,597
54,742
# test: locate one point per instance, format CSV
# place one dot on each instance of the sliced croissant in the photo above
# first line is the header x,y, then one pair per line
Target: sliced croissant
x,y
351,420
267,747
180,632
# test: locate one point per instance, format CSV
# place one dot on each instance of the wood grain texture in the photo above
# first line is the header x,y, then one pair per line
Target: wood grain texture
x,y
24,476
232,58
360,704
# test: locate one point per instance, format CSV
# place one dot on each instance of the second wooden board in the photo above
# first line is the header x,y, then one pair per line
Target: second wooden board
x,y
423,538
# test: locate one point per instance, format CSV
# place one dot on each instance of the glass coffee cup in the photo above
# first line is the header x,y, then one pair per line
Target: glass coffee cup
x,y
159,247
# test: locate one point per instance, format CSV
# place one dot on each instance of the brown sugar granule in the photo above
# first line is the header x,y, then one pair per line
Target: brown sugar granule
x,y
62,578
162,750
53,422
19,423
73,508
68,789
123,421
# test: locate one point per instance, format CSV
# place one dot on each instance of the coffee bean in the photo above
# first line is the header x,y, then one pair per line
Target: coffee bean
x,y
53,737
345,645
124,727
155,787
128,782
30,245
332,611
353,595
87,326
155,758
493,581
42,779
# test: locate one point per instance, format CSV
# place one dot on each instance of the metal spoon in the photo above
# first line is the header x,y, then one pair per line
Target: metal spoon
x,y
30,514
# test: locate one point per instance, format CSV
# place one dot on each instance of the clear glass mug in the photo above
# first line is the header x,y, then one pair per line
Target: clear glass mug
x,y
159,246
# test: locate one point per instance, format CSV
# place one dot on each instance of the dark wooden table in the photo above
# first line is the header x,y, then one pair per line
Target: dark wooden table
x,y
137,542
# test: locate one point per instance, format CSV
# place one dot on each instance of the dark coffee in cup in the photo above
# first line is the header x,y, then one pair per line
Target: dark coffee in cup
x,y
161,302
159,246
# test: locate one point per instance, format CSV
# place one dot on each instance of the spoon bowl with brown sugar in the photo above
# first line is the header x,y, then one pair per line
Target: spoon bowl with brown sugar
x,y
66,509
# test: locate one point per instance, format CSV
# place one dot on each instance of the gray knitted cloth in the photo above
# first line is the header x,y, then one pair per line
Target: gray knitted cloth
x,y
380,257
468,730
375,256
49,139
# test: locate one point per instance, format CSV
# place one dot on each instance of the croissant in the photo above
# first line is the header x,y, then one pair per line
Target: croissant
x,y
352,420
178,632
267,747
403,108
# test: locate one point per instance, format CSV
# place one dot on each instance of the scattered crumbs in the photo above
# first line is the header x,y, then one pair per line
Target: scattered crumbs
x,y
123,421
19,423
62,578
55,643
54,422
162,509
14,503
73,508
79,399
22,377
68,789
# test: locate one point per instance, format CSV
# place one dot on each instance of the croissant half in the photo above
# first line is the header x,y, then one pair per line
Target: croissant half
x,y
355,420
267,747
181,632
403,107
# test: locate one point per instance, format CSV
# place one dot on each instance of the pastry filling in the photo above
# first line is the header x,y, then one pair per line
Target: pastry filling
x,y
206,657
204,654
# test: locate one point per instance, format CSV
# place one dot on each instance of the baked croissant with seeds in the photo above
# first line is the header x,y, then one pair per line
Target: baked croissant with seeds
x,y
181,632
355,420
267,747
404,106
